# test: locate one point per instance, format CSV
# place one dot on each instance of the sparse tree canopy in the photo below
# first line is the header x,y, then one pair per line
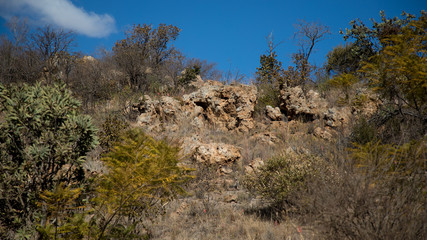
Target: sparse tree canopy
x,y
368,41
270,70
52,47
18,60
144,50
269,75
342,59
49,42
399,69
308,34
19,30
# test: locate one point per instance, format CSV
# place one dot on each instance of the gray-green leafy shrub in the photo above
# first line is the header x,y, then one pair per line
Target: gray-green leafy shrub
x,y
280,177
43,141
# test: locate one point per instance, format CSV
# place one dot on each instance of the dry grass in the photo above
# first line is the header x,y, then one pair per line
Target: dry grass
x,y
205,215
223,221
327,210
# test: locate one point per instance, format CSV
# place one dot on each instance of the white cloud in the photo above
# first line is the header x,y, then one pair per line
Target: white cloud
x,y
61,13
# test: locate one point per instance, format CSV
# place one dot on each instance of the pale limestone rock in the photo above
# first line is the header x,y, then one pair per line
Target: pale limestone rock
x,y
266,138
273,114
337,117
88,59
321,133
296,104
254,165
230,198
216,153
197,82
225,170
224,107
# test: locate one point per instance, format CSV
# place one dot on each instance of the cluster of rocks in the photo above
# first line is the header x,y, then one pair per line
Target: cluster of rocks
x,y
226,107
230,109
297,104
222,156
310,106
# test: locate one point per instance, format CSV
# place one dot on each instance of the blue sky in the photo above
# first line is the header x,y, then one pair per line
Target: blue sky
x,y
229,33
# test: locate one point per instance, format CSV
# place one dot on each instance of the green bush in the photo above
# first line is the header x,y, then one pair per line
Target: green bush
x,y
267,95
189,75
43,141
62,219
363,131
390,158
143,175
112,127
281,177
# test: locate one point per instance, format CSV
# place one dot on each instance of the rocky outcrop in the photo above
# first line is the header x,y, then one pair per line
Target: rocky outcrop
x,y
219,155
154,112
197,82
226,107
254,165
299,105
337,117
310,106
216,153
273,114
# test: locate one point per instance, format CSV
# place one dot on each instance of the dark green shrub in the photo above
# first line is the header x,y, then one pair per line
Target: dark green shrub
x,y
189,75
363,131
267,95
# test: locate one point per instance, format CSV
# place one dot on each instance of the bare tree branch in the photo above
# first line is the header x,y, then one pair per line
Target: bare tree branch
x,y
308,34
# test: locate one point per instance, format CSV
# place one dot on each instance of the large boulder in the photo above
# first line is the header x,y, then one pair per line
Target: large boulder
x,y
154,112
216,154
337,117
228,107
225,107
273,114
299,105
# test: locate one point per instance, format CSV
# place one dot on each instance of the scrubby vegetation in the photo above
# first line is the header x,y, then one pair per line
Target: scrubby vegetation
x,y
76,165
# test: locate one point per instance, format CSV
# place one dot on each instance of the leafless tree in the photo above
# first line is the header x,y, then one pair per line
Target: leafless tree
x,y
19,30
18,61
271,44
233,75
51,44
308,34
